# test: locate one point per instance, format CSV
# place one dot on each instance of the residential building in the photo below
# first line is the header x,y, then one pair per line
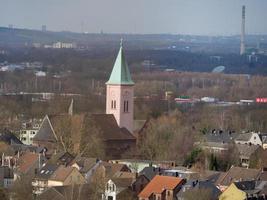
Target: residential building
x,y
196,184
6,177
162,188
28,131
29,163
81,192
86,166
115,186
245,153
46,136
251,138
235,174
65,176
218,141
51,175
244,190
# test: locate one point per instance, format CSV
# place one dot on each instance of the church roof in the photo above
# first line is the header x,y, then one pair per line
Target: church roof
x,y
109,128
46,132
120,74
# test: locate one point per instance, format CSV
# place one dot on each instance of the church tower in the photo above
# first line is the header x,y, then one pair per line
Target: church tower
x,y
120,93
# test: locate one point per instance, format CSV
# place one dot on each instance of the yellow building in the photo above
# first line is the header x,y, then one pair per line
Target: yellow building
x,y
233,193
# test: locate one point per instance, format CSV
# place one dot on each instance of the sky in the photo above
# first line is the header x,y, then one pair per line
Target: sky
x,y
194,17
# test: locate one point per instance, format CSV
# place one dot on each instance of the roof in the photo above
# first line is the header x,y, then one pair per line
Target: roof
x,y
120,74
27,161
222,137
46,171
158,184
85,163
245,185
244,137
81,192
238,174
113,168
62,173
123,182
46,132
109,128
62,158
9,138
150,172
246,150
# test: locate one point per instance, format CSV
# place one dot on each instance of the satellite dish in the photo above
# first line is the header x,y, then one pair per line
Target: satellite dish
x,y
218,69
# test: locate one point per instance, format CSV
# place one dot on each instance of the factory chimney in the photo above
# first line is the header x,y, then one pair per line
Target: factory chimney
x,y
242,45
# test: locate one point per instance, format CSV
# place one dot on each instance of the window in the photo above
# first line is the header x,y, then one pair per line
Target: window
x,y
113,104
125,106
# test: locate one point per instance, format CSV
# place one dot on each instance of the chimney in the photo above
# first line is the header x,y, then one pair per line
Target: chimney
x,y
242,44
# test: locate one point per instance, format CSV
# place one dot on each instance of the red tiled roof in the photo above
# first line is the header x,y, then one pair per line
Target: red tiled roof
x,y
26,161
158,184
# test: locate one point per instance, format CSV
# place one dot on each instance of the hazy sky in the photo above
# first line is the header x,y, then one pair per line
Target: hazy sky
x,y
208,17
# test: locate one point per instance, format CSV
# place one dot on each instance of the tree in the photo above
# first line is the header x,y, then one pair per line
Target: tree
x,y
22,188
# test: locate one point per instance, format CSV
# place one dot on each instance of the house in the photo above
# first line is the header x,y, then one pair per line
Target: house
x,y
244,190
239,174
8,137
162,187
263,137
86,166
28,131
29,163
6,177
251,138
56,175
245,152
65,176
61,158
115,186
46,137
139,184
110,169
218,141
138,165
65,192
40,181
150,172
196,184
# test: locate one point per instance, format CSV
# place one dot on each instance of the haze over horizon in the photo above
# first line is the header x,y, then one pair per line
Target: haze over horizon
x,y
204,17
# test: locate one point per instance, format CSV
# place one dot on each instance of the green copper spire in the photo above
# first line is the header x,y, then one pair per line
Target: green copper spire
x,y
120,74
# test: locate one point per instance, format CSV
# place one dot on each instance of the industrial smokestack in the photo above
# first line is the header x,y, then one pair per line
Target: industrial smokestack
x,y
242,45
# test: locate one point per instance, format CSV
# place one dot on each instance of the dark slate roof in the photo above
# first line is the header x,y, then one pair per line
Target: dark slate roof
x,y
209,185
46,132
9,138
150,172
223,137
263,137
61,158
109,127
244,137
46,171
245,185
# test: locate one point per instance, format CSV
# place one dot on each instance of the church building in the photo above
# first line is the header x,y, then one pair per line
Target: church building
x,y
120,93
114,128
